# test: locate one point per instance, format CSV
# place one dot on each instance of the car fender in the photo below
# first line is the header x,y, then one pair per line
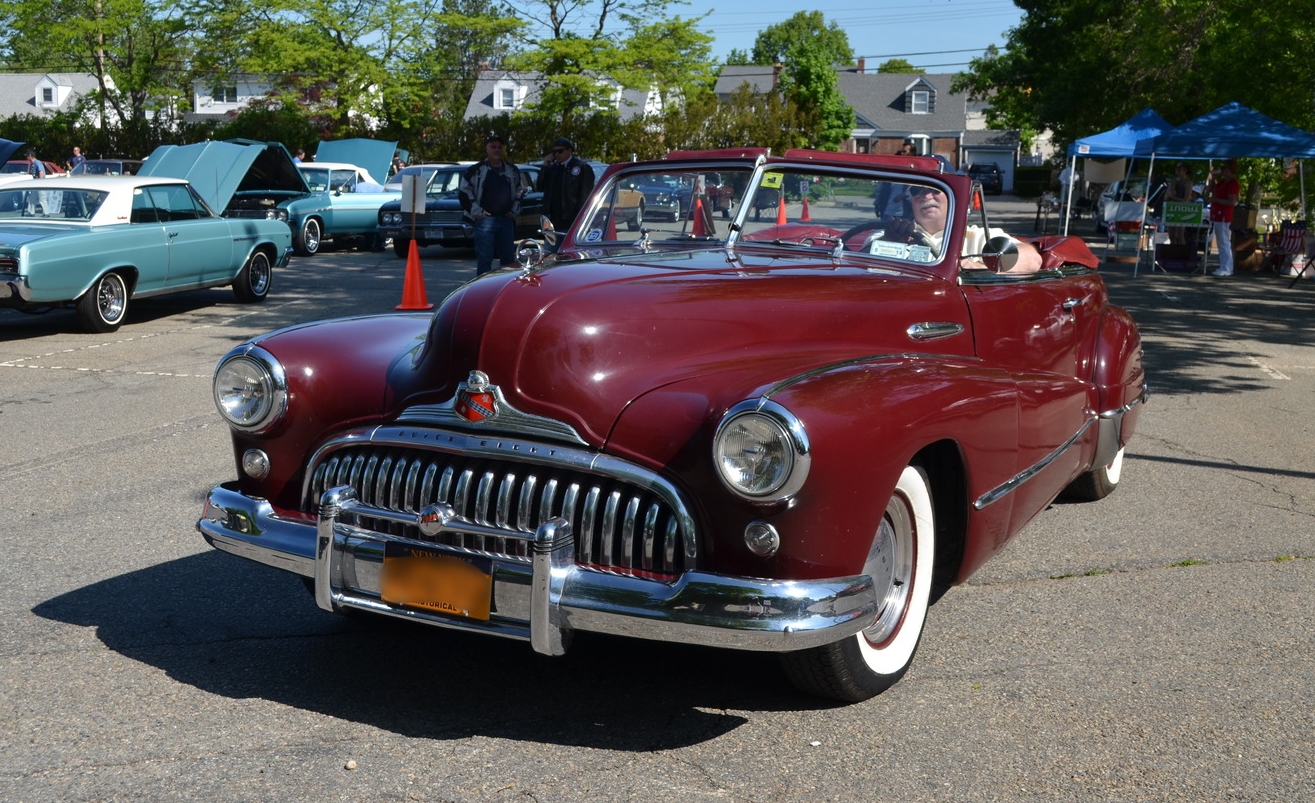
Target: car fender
x,y
1118,373
903,404
319,360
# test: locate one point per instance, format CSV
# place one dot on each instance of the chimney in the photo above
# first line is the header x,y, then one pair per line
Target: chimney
x,y
862,65
776,73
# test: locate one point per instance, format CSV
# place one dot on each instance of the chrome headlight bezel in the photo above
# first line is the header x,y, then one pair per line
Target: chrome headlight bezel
x,y
784,441
257,400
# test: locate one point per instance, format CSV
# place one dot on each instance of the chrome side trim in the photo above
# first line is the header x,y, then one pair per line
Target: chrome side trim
x,y
934,330
546,601
996,494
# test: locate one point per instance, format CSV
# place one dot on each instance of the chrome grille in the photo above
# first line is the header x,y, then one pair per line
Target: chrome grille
x,y
618,525
440,217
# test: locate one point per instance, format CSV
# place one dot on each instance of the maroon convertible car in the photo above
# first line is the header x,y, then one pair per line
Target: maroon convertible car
x,y
788,430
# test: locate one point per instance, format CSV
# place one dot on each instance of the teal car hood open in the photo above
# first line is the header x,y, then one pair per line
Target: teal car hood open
x,y
8,149
372,154
219,170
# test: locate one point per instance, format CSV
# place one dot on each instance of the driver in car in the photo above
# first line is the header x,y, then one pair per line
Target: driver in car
x,y
930,207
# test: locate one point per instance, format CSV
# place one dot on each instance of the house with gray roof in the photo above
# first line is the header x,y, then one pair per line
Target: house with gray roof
x,y
43,94
890,108
508,91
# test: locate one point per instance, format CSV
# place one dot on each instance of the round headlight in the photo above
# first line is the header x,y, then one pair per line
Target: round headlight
x,y
761,451
250,389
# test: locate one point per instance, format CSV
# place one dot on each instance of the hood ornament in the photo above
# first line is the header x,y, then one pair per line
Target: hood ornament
x,y
476,398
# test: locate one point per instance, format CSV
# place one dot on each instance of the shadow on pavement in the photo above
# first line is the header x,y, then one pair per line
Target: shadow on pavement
x,y
242,630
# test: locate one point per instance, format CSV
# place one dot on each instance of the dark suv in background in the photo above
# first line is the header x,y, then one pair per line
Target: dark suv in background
x,y
990,177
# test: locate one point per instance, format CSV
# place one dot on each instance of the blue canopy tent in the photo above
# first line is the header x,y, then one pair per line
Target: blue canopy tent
x,y
1234,131
1122,141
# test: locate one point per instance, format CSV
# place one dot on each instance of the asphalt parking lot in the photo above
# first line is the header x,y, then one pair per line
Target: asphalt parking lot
x,y
1156,646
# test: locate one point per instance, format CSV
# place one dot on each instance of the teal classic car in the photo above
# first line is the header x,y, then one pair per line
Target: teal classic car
x,y
261,180
94,243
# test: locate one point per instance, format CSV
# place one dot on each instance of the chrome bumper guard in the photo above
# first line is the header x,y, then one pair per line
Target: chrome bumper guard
x,y
14,289
545,600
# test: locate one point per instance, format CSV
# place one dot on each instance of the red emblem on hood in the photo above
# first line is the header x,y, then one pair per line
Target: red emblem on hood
x,y
475,400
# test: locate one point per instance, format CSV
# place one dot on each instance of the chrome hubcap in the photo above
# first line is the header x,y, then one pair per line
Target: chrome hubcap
x,y
890,565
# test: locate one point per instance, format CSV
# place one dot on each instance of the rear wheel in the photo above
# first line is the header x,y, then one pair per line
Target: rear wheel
x,y
900,563
102,308
253,281
307,241
638,221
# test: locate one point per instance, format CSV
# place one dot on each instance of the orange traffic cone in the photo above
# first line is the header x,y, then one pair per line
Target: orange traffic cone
x,y
698,227
780,211
413,287
804,217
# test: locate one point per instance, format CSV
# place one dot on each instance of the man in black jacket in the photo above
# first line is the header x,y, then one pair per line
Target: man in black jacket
x,y
565,182
491,197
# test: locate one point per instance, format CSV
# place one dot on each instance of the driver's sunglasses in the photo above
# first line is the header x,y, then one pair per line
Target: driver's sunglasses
x,y
920,191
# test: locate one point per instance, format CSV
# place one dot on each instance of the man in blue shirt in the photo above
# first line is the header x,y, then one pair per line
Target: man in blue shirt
x,y
35,168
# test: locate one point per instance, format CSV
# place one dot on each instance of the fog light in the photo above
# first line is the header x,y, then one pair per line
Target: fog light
x,y
255,463
762,539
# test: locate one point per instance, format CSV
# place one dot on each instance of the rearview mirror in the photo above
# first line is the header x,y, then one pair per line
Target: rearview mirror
x,y
549,233
1000,254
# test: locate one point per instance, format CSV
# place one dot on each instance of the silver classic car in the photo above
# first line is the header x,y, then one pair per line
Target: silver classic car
x,y
93,243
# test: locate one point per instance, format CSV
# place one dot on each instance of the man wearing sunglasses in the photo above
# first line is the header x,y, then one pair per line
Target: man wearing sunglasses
x,y
930,209
565,182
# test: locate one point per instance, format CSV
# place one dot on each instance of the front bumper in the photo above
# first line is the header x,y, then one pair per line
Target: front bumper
x,y
547,598
429,232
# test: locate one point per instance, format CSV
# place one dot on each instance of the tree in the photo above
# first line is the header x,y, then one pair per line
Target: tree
x,y
136,49
1181,58
773,43
590,49
809,79
899,67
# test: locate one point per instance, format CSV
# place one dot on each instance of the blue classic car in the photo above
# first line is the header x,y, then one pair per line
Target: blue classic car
x,y
260,180
443,222
96,242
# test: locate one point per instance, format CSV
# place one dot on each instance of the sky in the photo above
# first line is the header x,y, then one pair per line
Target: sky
x,y
939,36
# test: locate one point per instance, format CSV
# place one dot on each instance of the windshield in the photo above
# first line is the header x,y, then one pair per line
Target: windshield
x,y
424,171
78,205
444,184
862,212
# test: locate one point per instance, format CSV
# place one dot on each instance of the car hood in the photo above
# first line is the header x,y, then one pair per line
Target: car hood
x,y
220,170
8,148
578,342
372,154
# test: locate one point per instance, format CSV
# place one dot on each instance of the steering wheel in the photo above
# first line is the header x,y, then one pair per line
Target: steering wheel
x,y
868,225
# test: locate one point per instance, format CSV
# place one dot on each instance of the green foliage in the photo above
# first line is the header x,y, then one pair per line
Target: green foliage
x,y
1180,57
775,41
899,67
809,79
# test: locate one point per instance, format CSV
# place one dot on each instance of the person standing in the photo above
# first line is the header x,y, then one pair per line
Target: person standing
x,y
490,196
35,168
76,159
1222,193
1180,191
565,181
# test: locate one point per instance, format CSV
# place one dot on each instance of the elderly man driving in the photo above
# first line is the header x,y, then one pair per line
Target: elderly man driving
x,y
930,208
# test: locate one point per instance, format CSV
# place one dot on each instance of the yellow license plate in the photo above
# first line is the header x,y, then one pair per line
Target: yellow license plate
x,y
456,585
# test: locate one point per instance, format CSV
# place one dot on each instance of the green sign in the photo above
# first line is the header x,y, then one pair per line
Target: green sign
x,y
1183,213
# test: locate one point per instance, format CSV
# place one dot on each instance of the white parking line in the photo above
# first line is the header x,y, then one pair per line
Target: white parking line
x,y
1268,369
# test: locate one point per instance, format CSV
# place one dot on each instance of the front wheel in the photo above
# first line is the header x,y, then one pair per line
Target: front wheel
x,y
307,241
401,246
900,563
103,308
637,222
1098,483
253,281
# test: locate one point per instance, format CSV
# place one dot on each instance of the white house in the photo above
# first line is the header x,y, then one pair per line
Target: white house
x,y
43,94
508,91
213,99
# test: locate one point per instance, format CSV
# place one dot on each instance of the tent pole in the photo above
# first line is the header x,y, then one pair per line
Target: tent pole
x,y
1068,201
1141,228
1301,174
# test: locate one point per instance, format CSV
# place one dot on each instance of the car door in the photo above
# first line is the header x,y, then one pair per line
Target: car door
x,y
150,253
1041,329
200,244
